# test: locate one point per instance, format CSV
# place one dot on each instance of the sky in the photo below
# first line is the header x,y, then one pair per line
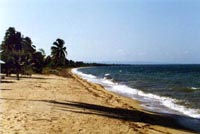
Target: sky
x,y
116,31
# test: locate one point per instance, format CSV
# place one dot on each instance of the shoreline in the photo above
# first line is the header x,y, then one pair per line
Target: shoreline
x,y
190,122
55,104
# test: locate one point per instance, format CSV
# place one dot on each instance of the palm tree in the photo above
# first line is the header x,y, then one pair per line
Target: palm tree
x,y
6,57
17,51
10,50
26,54
58,52
38,62
42,51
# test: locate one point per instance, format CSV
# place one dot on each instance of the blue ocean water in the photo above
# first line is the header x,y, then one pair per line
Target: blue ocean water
x,y
172,89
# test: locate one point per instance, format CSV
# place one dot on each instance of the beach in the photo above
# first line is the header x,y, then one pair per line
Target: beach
x,y
50,104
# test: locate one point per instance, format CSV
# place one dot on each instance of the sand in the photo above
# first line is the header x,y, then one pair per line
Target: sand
x,y
49,104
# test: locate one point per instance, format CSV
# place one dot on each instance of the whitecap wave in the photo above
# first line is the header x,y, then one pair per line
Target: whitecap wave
x,y
85,76
149,101
194,88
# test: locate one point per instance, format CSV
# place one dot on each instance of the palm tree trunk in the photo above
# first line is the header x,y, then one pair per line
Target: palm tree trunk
x,y
7,71
18,68
17,75
17,71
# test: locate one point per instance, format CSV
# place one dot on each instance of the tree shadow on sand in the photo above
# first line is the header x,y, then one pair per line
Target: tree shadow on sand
x,y
5,89
132,115
165,120
40,78
6,81
32,77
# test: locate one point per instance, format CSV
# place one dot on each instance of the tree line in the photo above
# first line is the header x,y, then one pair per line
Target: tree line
x,y
21,56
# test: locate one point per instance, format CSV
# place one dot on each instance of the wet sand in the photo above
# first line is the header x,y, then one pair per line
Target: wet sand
x,y
49,104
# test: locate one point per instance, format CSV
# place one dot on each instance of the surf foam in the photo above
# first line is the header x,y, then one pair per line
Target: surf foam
x,y
150,101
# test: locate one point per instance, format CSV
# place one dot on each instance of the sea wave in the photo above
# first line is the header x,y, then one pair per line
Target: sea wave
x,y
150,101
194,88
187,89
85,76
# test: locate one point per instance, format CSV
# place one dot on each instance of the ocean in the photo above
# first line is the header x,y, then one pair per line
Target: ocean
x,y
167,89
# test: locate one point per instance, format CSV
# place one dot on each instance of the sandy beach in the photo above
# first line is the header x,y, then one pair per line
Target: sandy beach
x,y
50,104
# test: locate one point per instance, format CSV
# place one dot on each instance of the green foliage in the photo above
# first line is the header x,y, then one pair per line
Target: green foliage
x,y
58,53
12,53
18,53
48,61
20,56
38,62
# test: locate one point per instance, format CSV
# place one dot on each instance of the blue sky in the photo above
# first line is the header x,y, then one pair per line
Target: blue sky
x,y
158,31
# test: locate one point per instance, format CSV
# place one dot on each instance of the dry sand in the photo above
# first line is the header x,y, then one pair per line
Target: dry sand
x,y
49,104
